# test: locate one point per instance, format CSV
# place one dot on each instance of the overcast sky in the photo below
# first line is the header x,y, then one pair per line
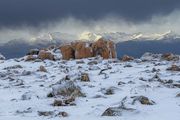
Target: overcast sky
x,y
34,12
24,19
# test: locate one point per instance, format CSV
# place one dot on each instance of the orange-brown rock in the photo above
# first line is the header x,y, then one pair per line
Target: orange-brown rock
x,y
170,56
104,48
79,50
45,55
83,50
67,52
112,48
127,58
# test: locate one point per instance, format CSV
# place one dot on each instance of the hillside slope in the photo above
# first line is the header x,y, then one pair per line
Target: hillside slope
x,y
141,89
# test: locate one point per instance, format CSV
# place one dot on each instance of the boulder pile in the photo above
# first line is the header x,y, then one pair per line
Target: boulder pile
x,y
75,50
81,49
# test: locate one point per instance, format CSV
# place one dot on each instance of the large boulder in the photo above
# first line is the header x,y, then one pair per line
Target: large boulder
x,y
112,49
104,48
100,48
83,50
67,52
45,55
78,50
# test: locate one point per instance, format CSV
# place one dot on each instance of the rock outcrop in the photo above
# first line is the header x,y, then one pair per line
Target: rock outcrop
x,y
67,52
30,57
174,68
75,50
81,49
170,57
2,57
101,47
68,89
45,55
127,58
33,52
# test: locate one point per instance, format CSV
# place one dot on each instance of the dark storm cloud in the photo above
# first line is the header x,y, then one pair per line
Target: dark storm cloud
x,y
34,12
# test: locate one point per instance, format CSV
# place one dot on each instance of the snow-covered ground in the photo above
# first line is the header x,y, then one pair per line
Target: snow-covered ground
x,y
24,89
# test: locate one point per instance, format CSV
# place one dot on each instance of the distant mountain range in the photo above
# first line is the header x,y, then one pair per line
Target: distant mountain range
x,y
138,48
131,44
18,48
121,37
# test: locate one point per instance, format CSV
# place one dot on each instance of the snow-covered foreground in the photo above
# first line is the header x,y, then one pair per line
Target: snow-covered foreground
x,y
24,89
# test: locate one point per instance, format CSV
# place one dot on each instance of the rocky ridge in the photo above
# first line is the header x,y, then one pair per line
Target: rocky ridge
x,y
76,50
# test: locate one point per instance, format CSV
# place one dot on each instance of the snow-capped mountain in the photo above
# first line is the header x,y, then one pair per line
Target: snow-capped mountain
x,y
156,36
119,36
114,36
89,36
54,37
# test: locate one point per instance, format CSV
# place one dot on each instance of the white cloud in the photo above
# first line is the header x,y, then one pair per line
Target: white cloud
x,y
156,24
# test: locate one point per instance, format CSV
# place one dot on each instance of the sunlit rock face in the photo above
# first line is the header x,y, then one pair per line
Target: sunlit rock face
x,y
112,48
67,52
82,49
105,49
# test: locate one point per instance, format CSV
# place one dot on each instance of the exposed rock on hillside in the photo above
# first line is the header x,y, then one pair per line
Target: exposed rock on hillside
x,y
33,52
170,56
45,55
105,49
150,57
2,57
143,100
85,77
30,57
68,89
81,49
67,52
127,58
75,50
174,68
